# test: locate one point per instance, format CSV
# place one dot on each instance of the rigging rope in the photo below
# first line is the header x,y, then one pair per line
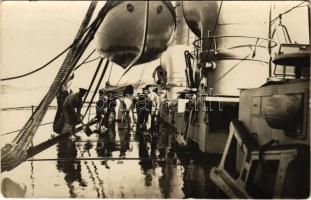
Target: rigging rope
x,y
15,153
97,86
78,66
297,6
93,79
40,68
8,133
55,85
141,75
85,60
49,62
92,60
44,66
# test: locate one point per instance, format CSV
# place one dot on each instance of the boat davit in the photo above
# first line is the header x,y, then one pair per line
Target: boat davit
x,y
135,32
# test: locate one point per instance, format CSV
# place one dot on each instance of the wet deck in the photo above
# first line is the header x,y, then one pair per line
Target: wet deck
x,y
117,164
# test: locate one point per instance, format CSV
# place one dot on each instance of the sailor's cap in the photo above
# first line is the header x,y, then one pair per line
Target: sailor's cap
x,y
82,89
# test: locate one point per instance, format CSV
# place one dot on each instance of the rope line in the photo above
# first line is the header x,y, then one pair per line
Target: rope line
x,y
27,134
40,68
92,60
92,81
8,133
49,62
141,75
96,89
15,153
21,129
85,60
297,6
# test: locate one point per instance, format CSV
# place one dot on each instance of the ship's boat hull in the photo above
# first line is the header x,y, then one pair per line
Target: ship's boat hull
x,y
200,15
236,45
135,32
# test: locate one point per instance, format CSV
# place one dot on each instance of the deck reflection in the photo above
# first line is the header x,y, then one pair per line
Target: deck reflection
x,y
120,163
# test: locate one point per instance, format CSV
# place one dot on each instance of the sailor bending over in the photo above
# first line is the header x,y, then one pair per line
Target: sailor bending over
x,y
71,110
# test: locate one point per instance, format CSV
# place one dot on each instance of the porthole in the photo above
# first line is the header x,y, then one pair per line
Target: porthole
x,y
159,9
130,7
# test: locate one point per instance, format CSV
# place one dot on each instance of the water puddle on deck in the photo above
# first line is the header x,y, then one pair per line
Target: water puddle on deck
x,y
116,164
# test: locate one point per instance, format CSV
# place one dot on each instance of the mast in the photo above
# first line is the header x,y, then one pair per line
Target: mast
x,y
309,20
269,42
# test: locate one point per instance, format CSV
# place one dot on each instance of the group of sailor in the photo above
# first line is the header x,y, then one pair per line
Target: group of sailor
x,y
141,109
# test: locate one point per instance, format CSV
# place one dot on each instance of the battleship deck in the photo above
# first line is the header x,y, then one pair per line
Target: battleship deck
x,y
95,166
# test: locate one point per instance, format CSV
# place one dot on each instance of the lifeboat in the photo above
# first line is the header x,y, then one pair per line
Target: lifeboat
x,y
235,47
136,32
200,16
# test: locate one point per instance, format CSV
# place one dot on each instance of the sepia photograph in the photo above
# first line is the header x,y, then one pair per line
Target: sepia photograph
x,y
155,99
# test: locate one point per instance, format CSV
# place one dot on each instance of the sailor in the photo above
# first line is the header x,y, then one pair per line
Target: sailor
x,y
128,107
107,84
135,100
101,108
58,122
71,110
155,105
143,108
111,108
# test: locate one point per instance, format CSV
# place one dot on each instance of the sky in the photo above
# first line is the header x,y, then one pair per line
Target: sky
x,y
32,33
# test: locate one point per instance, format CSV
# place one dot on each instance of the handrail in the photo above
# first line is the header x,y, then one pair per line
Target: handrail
x,y
30,107
232,36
